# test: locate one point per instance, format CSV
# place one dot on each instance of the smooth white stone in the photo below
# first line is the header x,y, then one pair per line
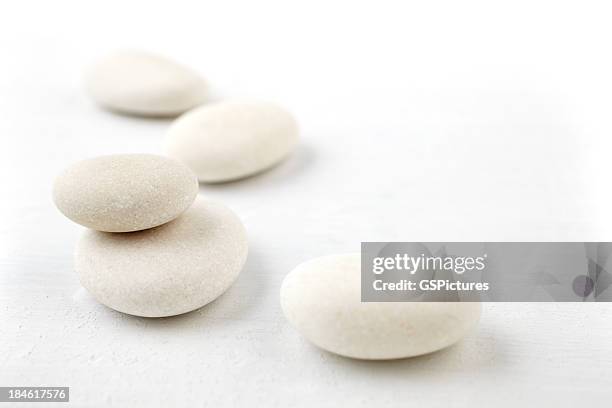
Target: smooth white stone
x,y
125,192
321,298
144,84
168,270
231,140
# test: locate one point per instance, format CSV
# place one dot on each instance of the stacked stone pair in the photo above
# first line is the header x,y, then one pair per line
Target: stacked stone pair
x,y
152,247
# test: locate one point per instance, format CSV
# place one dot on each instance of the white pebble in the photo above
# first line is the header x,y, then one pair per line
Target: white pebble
x,y
143,84
231,140
321,299
165,271
125,192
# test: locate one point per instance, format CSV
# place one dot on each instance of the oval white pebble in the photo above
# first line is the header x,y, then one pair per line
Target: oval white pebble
x,y
165,271
231,140
144,84
321,298
125,192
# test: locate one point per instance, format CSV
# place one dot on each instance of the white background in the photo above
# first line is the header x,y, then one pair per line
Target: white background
x,y
421,121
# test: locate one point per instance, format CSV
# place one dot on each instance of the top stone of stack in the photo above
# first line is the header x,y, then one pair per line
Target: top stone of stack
x,y
125,192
